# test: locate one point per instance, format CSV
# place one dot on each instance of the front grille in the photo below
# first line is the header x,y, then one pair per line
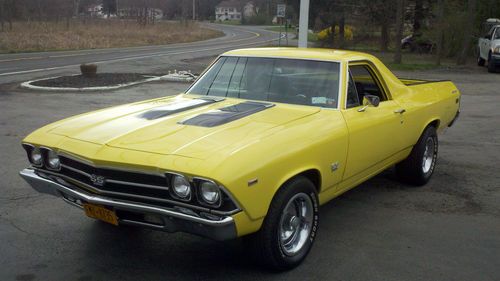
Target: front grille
x,y
128,185
112,180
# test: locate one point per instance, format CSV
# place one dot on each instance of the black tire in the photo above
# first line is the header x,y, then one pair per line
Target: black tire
x,y
480,60
415,170
491,64
267,244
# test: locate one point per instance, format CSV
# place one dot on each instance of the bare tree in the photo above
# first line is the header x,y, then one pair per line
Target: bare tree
x,y
440,39
469,23
399,29
2,14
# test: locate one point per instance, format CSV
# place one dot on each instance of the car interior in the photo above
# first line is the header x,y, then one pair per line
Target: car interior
x,y
362,82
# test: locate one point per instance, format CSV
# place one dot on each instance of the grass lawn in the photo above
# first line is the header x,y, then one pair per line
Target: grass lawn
x,y
412,61
229,22
96,34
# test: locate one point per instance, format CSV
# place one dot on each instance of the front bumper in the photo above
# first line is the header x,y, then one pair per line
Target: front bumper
x,y
166,219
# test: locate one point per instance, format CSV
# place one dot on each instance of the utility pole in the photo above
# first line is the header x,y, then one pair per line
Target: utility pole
x,y
303,23
194,9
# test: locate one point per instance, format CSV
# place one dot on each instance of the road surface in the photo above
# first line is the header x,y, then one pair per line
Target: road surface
x,y
26,66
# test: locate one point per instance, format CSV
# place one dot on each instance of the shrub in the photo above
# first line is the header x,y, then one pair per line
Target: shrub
x,y
88,70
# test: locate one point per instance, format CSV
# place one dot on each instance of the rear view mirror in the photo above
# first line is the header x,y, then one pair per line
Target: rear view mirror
x,y
369,100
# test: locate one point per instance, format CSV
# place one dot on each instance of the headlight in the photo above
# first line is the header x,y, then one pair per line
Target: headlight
x,y
210,193
181,187
53,161
36,156
496,50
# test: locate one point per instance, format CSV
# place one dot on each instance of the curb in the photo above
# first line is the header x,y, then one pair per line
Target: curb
x,y
27,85
181,76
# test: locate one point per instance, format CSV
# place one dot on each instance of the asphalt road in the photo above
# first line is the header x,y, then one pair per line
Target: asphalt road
x,y
25,66
381,230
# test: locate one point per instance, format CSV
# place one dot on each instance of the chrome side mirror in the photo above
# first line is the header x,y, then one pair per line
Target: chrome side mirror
x,y
369,100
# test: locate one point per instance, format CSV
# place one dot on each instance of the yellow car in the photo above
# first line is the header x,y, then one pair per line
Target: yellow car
x,y
260,140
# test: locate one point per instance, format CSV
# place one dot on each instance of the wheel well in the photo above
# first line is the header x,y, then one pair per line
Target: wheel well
x,y
434,123
314,176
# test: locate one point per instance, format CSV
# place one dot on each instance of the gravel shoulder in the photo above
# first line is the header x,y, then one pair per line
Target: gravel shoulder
x,y
381,230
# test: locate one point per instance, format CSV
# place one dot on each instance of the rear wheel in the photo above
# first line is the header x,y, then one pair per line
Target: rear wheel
x,y
289,229
417,169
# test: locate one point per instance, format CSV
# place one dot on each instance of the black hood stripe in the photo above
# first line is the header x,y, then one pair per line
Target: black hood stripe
x,y
177,106
227,114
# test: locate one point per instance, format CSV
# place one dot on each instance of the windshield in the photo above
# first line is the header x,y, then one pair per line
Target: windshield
x,y
294,81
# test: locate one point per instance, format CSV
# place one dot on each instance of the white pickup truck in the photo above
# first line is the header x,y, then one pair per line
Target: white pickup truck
x,y
489,49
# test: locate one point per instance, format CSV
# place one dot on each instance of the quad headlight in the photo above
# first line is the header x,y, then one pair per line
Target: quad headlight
x,y
36,156
210,193
53,161
180,187
206,192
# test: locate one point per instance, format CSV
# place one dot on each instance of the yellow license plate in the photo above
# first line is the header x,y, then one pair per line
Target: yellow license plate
x,y
100,213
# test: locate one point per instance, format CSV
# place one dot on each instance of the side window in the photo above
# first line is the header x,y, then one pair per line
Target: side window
x,y
352,94
366,82
497,34
491,33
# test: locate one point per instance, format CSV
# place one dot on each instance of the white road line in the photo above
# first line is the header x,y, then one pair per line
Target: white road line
x,y
138,57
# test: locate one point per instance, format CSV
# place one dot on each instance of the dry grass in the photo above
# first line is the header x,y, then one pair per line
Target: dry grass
x,y
45,36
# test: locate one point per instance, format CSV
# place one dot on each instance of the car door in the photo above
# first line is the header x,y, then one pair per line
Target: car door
x,y
375,132
485,43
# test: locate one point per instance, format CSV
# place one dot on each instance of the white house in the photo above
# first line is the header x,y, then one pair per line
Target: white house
x,y
228,10
95,10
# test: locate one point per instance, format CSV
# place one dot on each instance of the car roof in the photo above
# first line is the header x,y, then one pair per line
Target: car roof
x,y
301,53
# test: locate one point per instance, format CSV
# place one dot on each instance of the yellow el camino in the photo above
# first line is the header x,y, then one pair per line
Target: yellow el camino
x,y
252,148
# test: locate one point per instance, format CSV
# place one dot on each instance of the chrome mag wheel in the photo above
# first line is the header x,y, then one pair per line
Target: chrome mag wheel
x,y
429,155
296,224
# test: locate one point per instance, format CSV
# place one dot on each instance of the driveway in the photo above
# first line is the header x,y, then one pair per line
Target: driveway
x,y
381,230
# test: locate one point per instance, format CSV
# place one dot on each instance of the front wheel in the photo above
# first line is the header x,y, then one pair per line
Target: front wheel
x,y
480,60
417,169
289,229
491,64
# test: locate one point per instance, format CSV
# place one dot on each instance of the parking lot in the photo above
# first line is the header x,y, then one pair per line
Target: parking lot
x,y
381,230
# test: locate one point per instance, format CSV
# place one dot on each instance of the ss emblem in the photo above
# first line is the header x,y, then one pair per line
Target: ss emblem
x,y
97,180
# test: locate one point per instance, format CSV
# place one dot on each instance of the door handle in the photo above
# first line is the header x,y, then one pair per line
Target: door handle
x,y
400,111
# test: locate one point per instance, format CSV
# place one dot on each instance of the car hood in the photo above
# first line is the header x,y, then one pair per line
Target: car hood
x,y
495,43
189,126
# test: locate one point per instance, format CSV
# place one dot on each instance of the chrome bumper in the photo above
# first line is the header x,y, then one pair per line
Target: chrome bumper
x,y
170,220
